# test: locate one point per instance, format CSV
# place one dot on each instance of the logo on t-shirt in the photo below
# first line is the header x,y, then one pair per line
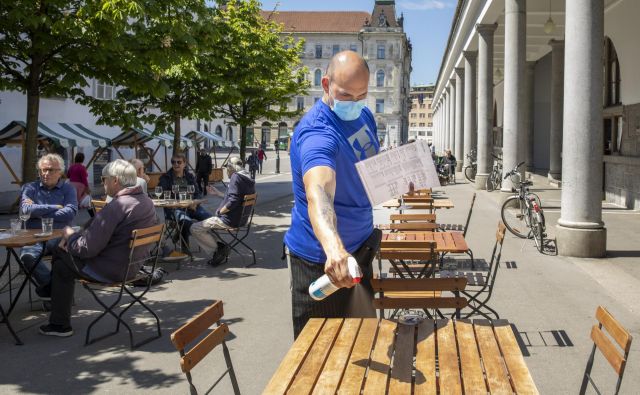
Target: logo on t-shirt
x,y
363,146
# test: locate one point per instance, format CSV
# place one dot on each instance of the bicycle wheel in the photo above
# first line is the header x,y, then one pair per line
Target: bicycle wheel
x,y
514,215
489,183
470,173
537,231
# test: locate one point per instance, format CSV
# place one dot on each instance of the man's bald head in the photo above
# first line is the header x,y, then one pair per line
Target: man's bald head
x,y
348,61
347,78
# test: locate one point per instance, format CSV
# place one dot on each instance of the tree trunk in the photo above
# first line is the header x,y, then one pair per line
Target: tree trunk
x,y
176,134
243,141
29,149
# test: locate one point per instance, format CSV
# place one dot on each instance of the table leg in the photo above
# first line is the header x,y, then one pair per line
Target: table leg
x,y
5,320
27,274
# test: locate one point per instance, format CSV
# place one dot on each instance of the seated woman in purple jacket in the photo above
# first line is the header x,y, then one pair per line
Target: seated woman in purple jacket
x,y
229,212
100,251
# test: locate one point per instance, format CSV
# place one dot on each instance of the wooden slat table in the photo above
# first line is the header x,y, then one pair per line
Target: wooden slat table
x,y
369,355
447,242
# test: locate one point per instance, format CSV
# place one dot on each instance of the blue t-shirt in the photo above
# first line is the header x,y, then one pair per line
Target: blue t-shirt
x,y
323,139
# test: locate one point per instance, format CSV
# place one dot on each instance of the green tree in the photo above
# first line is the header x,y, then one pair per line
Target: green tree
x,y
173,70
263,68
46,47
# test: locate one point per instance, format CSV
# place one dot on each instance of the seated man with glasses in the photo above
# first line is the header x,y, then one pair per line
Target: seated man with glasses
x,y
180,176
100,252
50,197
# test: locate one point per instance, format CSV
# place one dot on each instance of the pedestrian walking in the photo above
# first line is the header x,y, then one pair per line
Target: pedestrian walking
x,y
204,166
262,156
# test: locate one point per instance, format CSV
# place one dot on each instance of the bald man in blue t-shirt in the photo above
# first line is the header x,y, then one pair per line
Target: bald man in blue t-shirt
x,y
332,216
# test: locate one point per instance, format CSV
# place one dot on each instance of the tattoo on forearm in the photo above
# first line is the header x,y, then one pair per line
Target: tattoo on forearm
x,y
326,210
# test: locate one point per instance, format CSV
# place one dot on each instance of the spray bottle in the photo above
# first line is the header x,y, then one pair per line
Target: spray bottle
x,y
323,287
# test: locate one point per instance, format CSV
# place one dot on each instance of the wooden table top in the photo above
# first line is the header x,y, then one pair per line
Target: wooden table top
x,y
437,203
413,241
28,238
377,356
171,203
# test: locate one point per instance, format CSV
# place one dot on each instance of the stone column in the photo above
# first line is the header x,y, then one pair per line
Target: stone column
x,y
469,104
514,60
485,102
452,115
580,231
447,108
459,117
528,117
555,126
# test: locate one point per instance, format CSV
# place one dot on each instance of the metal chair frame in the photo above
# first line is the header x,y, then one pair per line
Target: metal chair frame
x,y
194,329
145,236
617,360
239,233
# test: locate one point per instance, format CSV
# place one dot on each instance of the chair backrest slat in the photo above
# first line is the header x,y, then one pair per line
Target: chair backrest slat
x,y
418,284
203,348
98,205
420,303
249,200
613,327
418,199
194,328
404,244
413,217
414,226
146,236
248,205
608,349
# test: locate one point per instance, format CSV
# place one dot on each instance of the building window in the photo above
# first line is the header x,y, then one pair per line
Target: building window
x,y
379,106
317,77
429,133
336,49
354,47
429,105
104,91
421,124
219,130
422,115
421,133
413,115
380,51
300,103
412,124
422,105
229,134
304,50
318,51
380,78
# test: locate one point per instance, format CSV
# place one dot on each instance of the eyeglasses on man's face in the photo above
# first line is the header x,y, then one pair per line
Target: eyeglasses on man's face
x,y
176,162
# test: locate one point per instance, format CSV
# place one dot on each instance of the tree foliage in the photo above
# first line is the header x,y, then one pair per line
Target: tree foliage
x,y
172,69
46,49
263,70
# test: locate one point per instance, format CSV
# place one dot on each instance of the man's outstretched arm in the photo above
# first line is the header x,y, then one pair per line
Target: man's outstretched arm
x,y
320,187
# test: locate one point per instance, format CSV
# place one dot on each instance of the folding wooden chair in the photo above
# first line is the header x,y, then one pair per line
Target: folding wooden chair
x,y
148,238
422,251
237,235
480,286
617,359
191,331
422,293
460,227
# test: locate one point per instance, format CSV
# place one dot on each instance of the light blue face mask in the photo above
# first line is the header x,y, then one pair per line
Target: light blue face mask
x,y
348,110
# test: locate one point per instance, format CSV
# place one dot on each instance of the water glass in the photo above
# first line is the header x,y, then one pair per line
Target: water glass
x,y
167,195
24,215
47,226
183,196
158,192
175,189
191,189
16,225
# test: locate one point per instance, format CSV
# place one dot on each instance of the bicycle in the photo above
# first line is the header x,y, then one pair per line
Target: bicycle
x,y
471,169
494,181
523,211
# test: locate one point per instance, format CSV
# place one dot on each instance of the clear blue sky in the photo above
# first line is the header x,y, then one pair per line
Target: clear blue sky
x,y
426,22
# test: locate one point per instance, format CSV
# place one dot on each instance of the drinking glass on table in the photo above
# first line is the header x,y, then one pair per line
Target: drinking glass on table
x,y
175,188
191,189
183,196
16,225
47,226
167,195
158,192
24,216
